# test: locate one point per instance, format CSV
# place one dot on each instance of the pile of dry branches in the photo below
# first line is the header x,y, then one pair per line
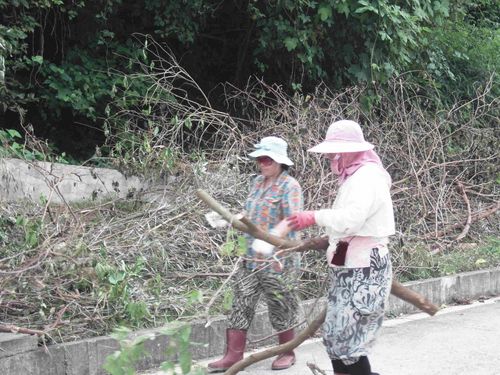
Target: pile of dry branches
x,y
443,164
153,258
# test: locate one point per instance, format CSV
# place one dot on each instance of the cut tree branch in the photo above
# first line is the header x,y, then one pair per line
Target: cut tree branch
x,y
9,328
321,243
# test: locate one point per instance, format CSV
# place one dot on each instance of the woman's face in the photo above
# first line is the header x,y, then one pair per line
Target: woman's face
x,y
268,167
339,162
332,156
334,163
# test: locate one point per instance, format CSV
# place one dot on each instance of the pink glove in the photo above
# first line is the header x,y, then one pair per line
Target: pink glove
x,y
301,220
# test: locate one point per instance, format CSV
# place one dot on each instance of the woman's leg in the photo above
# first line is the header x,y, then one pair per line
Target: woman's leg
x,y
282,305
356,302
246,294
339,368
361,367
281,299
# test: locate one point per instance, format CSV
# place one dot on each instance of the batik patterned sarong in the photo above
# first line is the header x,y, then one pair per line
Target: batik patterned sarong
x,y
356,302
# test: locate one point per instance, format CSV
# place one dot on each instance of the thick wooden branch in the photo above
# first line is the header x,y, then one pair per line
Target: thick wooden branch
x,y
243,224
9,328
287,246
412,297
228,216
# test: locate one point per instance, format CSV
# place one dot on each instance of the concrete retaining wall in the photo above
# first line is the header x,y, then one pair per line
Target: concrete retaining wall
x,y
20,179
86,357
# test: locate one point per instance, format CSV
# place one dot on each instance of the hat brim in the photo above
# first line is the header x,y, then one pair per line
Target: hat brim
x,y
337,147
276,157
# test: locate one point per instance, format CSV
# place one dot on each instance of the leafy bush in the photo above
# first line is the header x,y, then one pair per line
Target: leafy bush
x,y
12,145
68,63
460,66
341,42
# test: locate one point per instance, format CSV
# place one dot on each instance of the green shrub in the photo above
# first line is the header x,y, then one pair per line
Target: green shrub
x,y
461,65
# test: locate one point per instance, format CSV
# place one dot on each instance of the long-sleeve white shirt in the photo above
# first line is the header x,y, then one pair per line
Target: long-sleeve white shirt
x,y
363,207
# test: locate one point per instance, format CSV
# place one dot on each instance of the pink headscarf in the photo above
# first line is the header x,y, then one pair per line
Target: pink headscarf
x,y
345,164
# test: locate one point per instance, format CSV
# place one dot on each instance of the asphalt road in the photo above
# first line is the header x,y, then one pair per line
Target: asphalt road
x,y
458,340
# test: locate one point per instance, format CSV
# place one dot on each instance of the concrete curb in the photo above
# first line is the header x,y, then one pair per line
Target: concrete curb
x,y
86,357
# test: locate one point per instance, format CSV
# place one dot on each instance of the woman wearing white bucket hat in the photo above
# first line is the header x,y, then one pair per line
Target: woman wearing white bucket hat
x,y
274,195
358,225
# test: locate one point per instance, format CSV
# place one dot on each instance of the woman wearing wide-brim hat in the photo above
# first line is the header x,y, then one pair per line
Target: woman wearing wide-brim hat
x,y
358,226
274,195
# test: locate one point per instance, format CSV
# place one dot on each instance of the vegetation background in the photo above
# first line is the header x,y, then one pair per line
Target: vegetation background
x,y
64,62
178,91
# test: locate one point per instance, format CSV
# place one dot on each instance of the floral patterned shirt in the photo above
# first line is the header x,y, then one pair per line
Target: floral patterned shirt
x,y
266,207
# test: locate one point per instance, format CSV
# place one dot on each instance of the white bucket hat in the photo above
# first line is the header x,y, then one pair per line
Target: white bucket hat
x,y
343,136
273,147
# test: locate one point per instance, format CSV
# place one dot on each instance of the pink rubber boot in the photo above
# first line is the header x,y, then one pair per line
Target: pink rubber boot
x,y
235,347
284,360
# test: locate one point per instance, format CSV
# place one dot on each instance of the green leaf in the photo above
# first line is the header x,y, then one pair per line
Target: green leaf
x,y
185,361
227,248
291,43
37,59
13,133
168,367
242,246
43,199
185,333
195,296
146,145
480,261
116,277
137,311
343,8
325,12
31,238
21,221
367,8
228,299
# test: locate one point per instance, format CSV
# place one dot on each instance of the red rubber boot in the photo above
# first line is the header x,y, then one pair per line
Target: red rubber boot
x,y
285,360
235,347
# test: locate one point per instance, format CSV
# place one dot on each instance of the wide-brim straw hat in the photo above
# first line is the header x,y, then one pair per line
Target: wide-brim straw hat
x,y
342,137
274,147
